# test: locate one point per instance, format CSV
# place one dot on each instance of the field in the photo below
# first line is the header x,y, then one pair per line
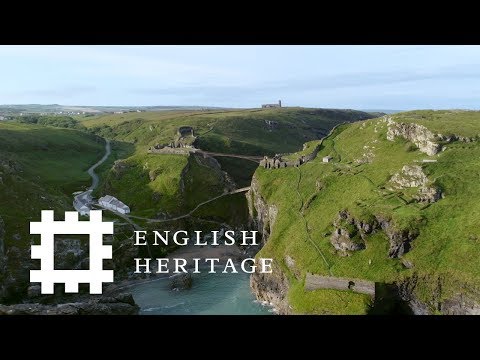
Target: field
x,y
40,167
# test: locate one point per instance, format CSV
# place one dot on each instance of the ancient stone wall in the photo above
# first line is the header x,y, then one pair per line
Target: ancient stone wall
x,y
314,282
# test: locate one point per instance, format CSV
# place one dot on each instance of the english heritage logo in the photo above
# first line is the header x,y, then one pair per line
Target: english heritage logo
x,y
95,276
47,276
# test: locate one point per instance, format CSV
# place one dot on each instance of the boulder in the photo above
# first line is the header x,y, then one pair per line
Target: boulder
x,y
344,241
410,176
181,281
428,194
34,291
423,138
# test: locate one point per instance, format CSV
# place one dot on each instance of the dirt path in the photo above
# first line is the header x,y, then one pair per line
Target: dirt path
x,y
91,171
305,222
85,197
245,189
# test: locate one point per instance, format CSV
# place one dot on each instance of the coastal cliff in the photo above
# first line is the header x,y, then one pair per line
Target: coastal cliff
x,y
403,220
269,288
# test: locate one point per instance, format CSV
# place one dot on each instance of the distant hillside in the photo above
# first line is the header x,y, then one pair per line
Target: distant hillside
x,y
69,109
399,204
40,167
248,132
42,164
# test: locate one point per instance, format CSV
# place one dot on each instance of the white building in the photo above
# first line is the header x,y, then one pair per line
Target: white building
x,y
327,159
112,203
84,210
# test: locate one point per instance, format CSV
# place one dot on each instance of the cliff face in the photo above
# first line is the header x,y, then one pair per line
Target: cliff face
x,y
426,141
423,138
122,304
262,215
397,218
437,302
271,288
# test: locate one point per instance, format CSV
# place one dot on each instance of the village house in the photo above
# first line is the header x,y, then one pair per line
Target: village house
x,y
327,159
112,203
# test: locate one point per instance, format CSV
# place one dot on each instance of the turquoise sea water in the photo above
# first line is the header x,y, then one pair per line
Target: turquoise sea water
x,y
222,294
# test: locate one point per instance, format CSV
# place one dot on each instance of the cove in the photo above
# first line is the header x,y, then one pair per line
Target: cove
x,y
211,294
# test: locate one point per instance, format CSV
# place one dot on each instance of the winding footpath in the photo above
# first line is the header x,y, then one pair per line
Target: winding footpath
x,y
245,189
82,202
91,171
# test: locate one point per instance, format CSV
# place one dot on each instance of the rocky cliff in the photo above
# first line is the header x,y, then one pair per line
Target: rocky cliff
x,y
423,138
270,288
426,141
402,220
437,301
122,304
262,215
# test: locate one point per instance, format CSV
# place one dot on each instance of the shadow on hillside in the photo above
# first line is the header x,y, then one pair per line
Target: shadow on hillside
x,y
388,302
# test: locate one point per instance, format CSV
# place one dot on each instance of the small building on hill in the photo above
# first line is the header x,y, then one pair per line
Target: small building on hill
x,y
112,203
327,159
279,105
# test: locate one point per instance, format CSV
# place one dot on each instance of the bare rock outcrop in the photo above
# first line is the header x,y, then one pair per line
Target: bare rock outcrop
x,y
399,239
423,138
413,176
410,176
344,240
272,289
182,281
122,304
426,141
428,194
262,215
349,233
464,303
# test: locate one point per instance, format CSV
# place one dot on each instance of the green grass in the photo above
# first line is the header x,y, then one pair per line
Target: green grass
x,y
445,122
447,244
40,167
327,302
238,132
147,195
119,150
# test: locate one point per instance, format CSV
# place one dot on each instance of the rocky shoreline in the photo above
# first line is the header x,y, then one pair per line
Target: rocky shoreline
x,y
121,304
116,300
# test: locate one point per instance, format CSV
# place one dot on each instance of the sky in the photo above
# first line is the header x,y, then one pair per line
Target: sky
x,y
355,77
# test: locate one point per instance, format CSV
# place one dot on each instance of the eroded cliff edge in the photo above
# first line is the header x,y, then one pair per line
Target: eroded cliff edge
x,y
401,218
270,288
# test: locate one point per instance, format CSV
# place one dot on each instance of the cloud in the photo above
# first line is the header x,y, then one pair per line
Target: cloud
x,y
316,83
